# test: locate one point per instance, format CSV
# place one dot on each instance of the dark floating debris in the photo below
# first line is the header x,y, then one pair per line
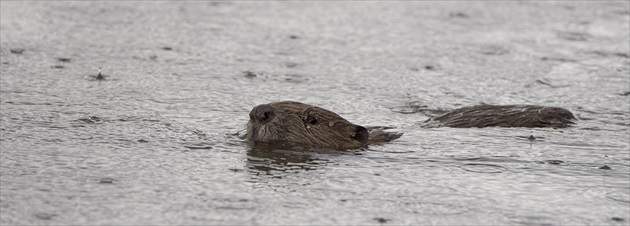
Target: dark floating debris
x,y
293,37
91,119
559,59
531,136
459,15
17,51
625,93
381,220
45,216
553,162
57,66
63,59
142,141
167,48
199,146
106,180
100,76
249,74
617,219
605,167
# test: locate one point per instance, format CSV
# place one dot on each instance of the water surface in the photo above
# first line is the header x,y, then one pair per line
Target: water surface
x,y
156,141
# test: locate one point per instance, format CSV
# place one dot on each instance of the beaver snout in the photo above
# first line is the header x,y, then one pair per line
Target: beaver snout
x,y
262,113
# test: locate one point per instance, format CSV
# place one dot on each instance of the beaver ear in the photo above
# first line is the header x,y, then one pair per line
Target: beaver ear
x,y
360,134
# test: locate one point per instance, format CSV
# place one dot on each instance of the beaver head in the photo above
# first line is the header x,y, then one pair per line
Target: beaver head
x,y
289,122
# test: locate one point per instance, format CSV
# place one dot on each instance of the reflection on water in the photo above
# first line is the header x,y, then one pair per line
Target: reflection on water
x,y
277,163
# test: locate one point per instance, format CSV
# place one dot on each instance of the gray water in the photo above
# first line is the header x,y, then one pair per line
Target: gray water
x,y
157,141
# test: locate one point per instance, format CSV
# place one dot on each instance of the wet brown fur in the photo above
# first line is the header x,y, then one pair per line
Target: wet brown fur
x,y
289,122
504,116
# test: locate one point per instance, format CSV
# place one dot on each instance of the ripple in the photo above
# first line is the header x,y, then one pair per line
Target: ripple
x,y
500,159
573,36
198,146
554,162
421,107
533,220
618,197
483,168
91,120
45,216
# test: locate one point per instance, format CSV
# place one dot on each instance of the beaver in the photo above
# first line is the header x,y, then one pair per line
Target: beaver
x,y
289,122
504,116
295,123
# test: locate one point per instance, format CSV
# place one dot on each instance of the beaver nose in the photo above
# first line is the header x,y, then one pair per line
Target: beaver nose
x,y
262,113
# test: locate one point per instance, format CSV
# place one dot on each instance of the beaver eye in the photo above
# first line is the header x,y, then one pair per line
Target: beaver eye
x,y
311,120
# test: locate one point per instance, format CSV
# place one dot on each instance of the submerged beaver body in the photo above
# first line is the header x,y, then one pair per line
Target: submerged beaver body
x,y
504,116
294,123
